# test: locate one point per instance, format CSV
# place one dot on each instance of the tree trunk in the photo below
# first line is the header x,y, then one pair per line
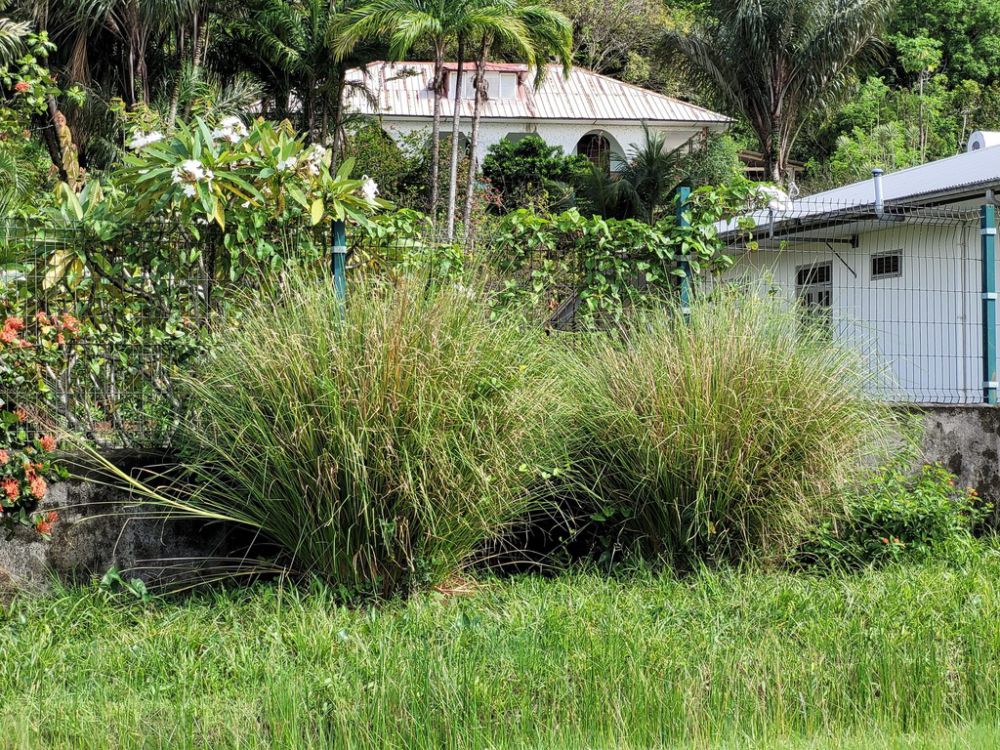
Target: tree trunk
x,y
436,131
175,94
337,145
199,38
470,185
69,161
456,123
771,147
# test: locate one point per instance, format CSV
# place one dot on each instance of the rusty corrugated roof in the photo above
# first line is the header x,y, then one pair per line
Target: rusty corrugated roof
x,y
403,89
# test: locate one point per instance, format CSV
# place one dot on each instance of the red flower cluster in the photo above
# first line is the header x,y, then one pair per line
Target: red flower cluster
x,y
26,467
43,523
22,86
9,335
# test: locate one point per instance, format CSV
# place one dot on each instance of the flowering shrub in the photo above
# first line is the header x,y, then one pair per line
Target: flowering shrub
x,y
26,460
900,515
247,176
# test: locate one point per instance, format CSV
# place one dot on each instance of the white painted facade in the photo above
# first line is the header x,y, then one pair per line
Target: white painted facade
x,y
916,318
919,331
622,137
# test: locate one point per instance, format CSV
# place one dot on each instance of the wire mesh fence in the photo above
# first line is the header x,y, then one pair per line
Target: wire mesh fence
x,y
899,284
141,300
903,286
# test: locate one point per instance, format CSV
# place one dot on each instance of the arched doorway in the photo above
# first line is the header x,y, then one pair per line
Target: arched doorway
x,y
601,148
596,147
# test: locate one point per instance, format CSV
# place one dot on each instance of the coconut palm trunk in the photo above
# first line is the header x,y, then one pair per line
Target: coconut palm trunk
x,y
470,184
437,83
456,123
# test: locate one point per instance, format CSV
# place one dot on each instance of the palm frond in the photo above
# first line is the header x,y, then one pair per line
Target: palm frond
x,y
12,34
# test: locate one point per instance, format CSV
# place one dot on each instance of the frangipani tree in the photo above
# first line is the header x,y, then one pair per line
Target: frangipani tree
x,y
250,194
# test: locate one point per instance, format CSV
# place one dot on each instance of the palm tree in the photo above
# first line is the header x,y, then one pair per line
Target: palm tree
x,y
644,185
651,175
405,23
296,39
528,32
12,34
778,61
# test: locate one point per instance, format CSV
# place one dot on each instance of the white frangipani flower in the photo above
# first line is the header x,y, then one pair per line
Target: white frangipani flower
x,y
140,140
314,159
231,130
369,189
189,173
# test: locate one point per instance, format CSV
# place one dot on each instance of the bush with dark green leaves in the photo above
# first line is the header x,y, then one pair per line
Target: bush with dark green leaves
x,y
530,172
899,515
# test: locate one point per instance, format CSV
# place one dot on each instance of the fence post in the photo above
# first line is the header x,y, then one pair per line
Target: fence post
x,y
339,262
988,232
683,193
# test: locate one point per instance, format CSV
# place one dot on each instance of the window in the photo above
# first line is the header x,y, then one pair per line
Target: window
x,y
887,265
814,291
498,85
516,137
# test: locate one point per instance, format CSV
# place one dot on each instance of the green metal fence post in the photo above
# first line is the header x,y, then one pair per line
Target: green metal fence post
x,y
988,232
683,193
339,262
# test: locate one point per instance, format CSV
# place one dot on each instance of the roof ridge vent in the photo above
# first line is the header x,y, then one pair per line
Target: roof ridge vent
x,y
983,139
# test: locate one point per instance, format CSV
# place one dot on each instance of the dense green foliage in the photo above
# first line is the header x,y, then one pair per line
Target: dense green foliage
x,y
906,657
530,172
724,436
378,451
899,515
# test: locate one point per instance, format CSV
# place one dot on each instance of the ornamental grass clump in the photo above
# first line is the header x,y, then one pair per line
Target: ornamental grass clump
x,y
378,451
725,437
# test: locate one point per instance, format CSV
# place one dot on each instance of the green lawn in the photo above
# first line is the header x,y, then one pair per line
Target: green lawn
x,y
904,658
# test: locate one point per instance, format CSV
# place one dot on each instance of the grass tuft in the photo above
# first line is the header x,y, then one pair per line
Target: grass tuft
x,y
379,451
726,436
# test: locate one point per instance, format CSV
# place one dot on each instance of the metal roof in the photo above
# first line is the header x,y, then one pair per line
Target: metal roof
x,y
944,177
943,182
403,89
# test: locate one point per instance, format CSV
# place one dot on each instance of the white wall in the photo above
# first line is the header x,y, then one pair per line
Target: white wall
x,y
562,134
921,330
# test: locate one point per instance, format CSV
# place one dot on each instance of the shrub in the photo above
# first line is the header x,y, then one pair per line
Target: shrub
x,y
378,451
724,437
899,515
530,172
593,270
26,462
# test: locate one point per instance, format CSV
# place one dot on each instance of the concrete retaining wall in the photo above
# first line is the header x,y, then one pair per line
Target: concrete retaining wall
x,y
966,440
100,528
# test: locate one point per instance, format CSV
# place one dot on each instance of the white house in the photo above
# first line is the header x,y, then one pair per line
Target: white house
x,y
586,113
891,265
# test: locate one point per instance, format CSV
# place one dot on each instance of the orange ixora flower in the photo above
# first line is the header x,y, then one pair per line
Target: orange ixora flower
x,y
21,414
22,86
44,524
13,324
8,335
70,323
11,488
38,487
48,443
4,457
